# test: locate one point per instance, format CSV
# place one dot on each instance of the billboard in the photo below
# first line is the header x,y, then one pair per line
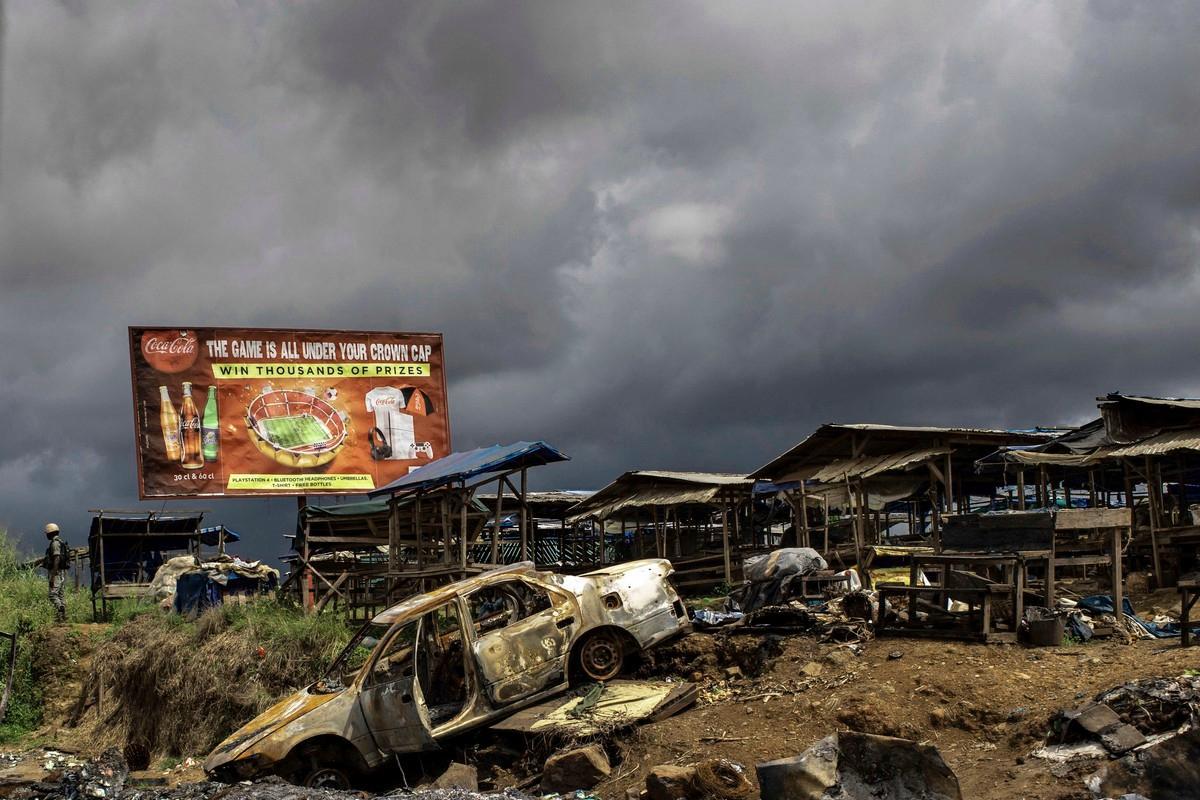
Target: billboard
x,y
265,412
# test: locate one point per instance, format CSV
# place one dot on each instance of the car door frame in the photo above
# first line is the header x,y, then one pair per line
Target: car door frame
x,y
565,617
379,701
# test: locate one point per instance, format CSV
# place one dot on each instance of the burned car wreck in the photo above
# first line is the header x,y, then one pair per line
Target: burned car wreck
x,y
452,660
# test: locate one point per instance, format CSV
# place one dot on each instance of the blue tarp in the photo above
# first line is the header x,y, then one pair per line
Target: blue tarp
x,y
1103,604
194,592
212,536
472,464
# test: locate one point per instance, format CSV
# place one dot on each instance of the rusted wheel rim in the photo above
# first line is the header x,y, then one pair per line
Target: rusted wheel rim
x,y
327,778
602,656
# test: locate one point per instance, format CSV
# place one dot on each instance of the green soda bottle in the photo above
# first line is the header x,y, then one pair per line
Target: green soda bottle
x,y
210,428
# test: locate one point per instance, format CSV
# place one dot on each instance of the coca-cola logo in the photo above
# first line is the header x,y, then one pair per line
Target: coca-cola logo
x,y
192,424
170,351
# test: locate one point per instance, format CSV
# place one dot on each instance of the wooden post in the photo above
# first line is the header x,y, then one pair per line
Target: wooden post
x,y
853,504
1050,571
444,514
600,544
1021,489
659,549
1152,499
674,512
804,513
464,499
1118,590
419,532
825,521
496,520
562,540
524,516
725,546
949,486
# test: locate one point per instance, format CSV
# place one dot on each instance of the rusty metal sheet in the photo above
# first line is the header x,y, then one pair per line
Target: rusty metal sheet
x,y
621,704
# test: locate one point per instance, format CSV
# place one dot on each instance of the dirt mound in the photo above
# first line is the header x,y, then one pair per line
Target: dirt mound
x,y
162,687
704,655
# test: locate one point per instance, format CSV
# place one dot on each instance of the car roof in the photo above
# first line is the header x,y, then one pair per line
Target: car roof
x,y
436,597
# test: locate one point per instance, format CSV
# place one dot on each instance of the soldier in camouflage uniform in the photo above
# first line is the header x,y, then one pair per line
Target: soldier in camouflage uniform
x,y
56,562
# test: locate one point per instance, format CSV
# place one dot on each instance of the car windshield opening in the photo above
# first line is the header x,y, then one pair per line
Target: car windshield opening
x,y
352,658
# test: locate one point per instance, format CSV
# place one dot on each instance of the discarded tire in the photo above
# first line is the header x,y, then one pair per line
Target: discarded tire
x,y
718,778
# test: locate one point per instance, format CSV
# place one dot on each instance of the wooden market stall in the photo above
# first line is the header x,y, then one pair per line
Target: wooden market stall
x,y
873,473
435,519
126,548
1142,454
692,518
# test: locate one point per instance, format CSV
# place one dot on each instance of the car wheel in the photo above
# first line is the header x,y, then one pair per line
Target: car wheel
x,y
602,655
326,776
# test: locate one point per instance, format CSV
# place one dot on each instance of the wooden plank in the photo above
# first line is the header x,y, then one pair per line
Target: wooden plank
x,y
1087,518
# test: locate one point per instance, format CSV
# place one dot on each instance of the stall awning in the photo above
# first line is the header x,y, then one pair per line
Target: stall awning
x,y
466,466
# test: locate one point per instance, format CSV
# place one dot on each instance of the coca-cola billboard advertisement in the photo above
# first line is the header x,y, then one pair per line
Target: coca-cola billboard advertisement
x,y
266,412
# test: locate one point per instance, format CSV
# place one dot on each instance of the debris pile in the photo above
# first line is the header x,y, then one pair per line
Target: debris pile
x,y
710,779
1150,726
792,591
108,778
850,765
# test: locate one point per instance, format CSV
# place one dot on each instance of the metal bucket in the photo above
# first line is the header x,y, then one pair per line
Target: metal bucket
x,y
1046,632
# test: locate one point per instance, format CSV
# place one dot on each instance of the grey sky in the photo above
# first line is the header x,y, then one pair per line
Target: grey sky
x,y
657,234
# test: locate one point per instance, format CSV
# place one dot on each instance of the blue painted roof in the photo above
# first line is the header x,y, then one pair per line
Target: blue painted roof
x,y
210,535
471,464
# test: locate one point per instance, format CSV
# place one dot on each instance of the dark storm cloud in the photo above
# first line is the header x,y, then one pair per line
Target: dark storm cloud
x,y
655,234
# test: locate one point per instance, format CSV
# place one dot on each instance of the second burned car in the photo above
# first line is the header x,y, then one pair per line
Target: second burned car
x,y
460,657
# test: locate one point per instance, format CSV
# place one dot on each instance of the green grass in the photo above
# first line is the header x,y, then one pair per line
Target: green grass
x,y
294,646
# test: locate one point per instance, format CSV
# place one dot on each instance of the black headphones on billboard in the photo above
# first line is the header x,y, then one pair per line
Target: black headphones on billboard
x,y
380,449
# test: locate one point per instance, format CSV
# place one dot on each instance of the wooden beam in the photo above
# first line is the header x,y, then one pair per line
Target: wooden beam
x,y
524,515
1118,589
804,512
496,521
1152,497
725,546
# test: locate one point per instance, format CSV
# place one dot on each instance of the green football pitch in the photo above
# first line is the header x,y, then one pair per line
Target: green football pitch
x,y
297,431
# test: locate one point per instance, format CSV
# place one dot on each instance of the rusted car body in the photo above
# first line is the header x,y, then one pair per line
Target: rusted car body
x,y
442,663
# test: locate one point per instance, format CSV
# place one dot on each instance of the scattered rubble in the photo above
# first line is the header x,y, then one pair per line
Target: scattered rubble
x,y
1149,726
860,766
1166,770
711,779
577,768
457,776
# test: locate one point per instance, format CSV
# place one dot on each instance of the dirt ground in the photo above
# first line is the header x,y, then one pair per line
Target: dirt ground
x,y
985,707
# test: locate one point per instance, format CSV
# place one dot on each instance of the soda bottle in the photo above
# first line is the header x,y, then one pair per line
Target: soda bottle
x,y
210,428
168,418
189,431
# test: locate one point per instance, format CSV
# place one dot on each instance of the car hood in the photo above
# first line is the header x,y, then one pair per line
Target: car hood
x,y
269,721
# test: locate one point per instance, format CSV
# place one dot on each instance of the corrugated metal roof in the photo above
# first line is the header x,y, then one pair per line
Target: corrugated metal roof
x,y
933,429
868,466
719,478
545,496
641,489
839,441
1174,402
647,497
472,464
1165,442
